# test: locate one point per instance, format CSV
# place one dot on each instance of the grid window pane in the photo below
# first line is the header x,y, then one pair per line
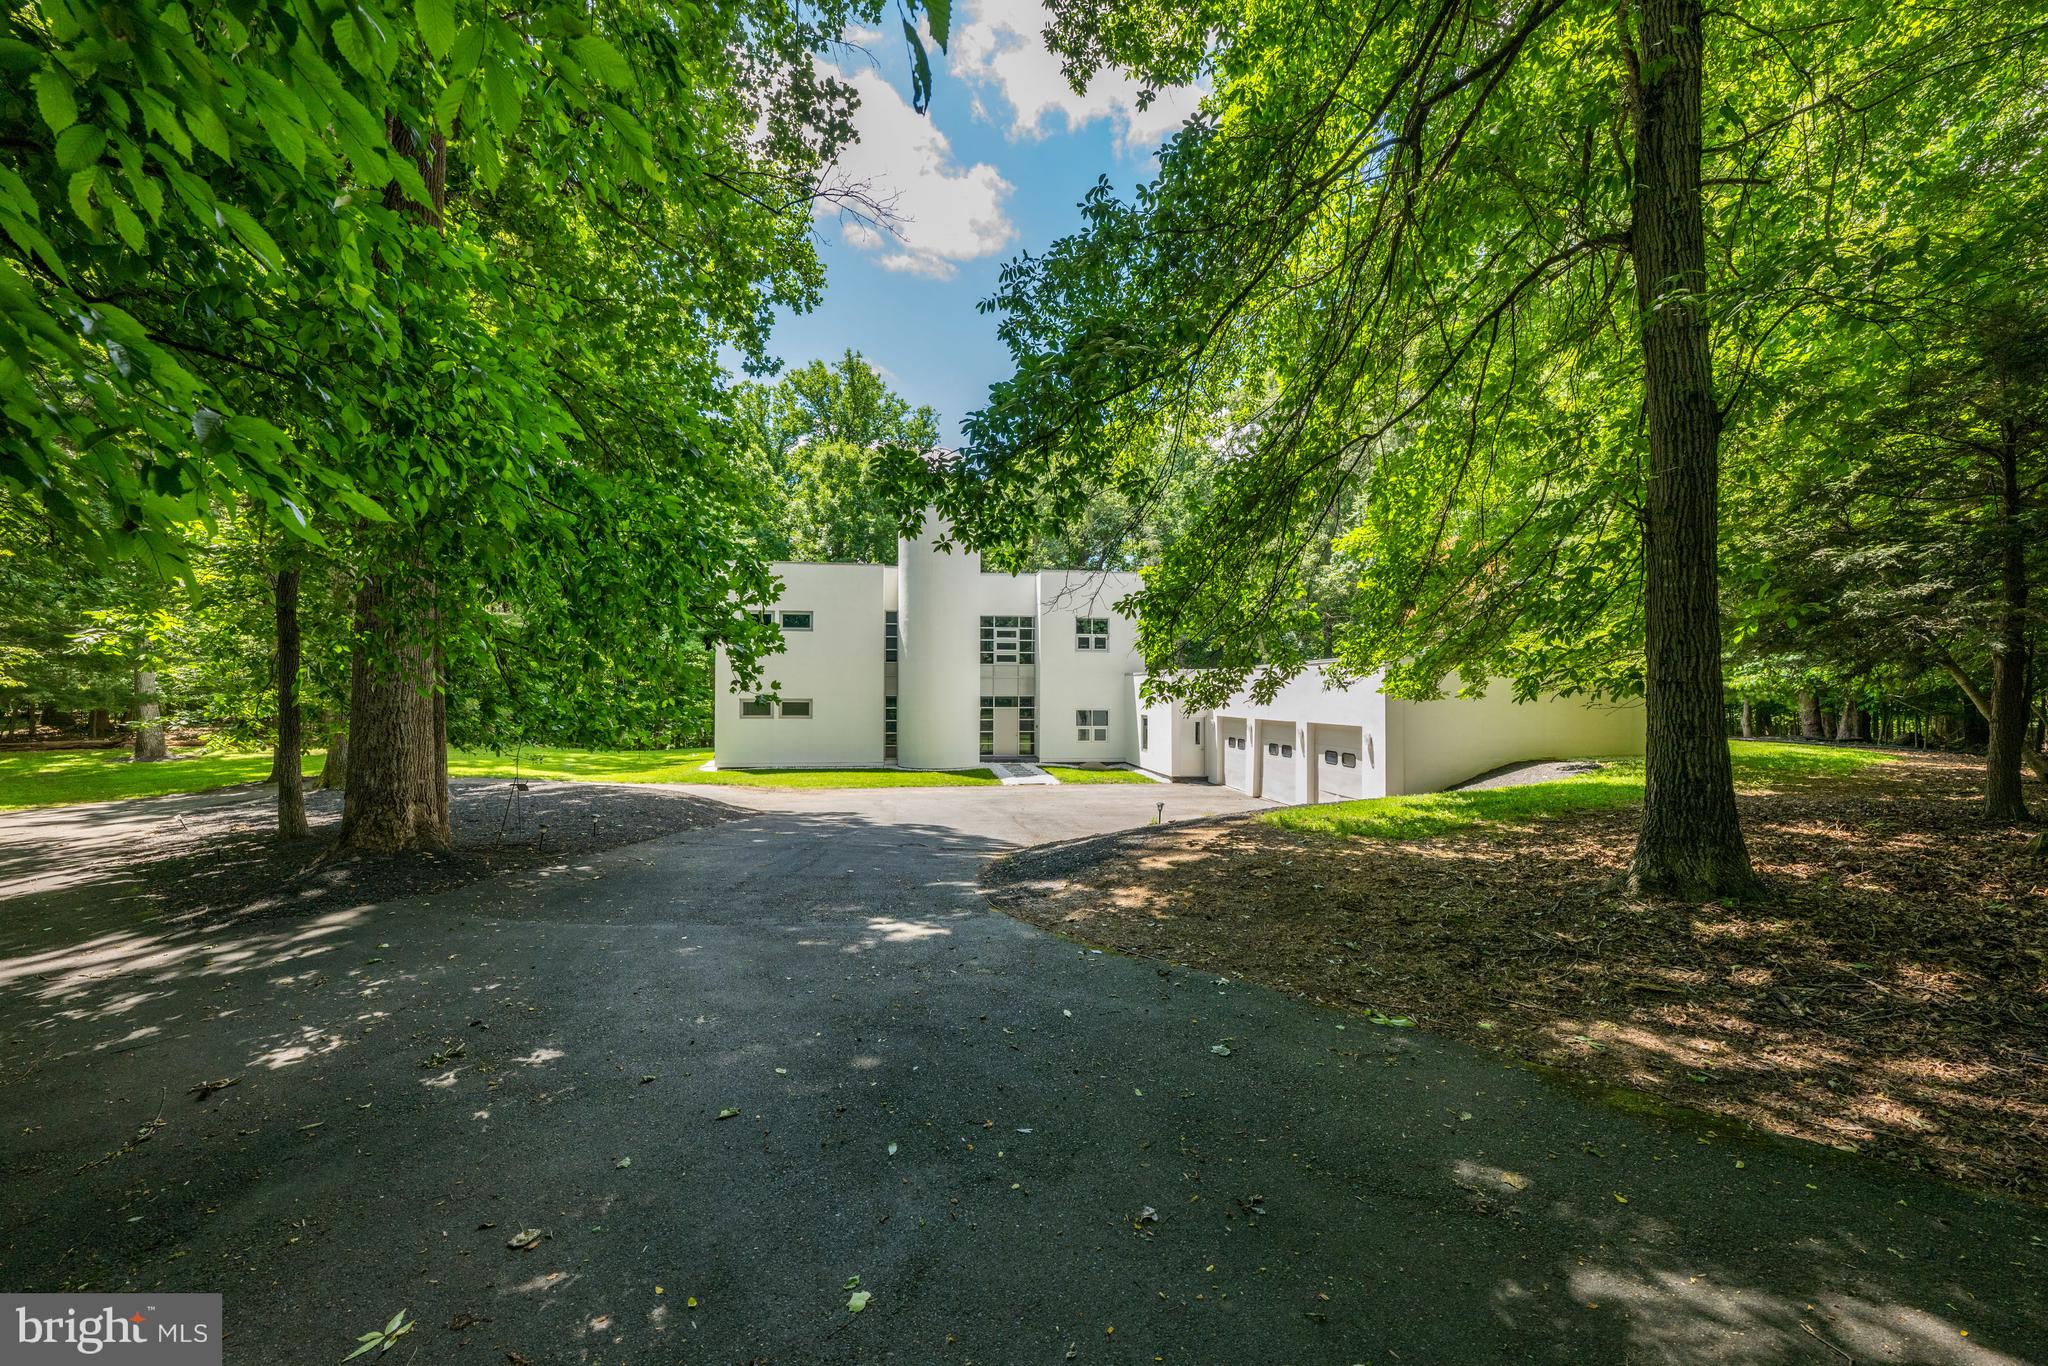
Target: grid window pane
x,y
798,708
755,706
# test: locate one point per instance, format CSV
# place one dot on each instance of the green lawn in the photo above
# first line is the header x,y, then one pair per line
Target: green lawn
x,y
1094,775
687,766
1758,764
60,777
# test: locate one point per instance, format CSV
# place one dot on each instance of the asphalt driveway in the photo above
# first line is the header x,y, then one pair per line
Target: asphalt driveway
x,y
1025,1151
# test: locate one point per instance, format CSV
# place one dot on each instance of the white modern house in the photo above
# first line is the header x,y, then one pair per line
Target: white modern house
x,y
931,663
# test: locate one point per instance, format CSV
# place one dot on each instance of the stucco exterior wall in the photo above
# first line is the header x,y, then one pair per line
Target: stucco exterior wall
x,y
1442,743
1071,679
938,694
1174,751
836,666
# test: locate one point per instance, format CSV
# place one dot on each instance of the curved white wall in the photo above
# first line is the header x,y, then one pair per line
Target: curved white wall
x,y
938,655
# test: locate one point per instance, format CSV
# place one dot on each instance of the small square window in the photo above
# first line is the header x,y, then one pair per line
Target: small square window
x,y
797,708
1329,756
1287,751
1350,760
756,706
796,621
1091,633
1272,747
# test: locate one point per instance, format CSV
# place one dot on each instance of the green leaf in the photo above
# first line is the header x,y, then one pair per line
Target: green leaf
x,y
363,507
79,146
207,129
79,191
285,137
436,19
56,100
920,70
252,235
356,44
602,58
127,224
939,14
501,87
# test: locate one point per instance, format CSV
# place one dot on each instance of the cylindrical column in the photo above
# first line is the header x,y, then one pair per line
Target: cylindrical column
x,y
938,652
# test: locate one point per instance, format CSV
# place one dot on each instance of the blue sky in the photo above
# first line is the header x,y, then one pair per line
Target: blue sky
x,y
996,168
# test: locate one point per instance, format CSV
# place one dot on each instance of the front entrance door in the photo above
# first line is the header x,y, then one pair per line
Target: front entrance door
x,y
1008,729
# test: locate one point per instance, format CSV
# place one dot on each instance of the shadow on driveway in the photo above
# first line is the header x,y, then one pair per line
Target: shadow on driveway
x,y
1026,1151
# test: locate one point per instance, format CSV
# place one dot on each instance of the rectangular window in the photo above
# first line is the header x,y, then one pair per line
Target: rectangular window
x,y
888,728
1198,734
765,618
1329,756
1091,633
1350,760
1144,732
798,708
1009,640
796,621
1286,751
756,706
988,723
889,637
1091,725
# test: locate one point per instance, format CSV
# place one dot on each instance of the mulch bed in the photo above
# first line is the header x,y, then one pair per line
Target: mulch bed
x,y
1888,993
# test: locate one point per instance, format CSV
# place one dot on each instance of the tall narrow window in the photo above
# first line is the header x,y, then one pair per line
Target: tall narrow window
x,y
1091,633
889,638
1144,732
889,726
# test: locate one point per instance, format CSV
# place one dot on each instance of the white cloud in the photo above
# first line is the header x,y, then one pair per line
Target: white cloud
x,y
938,212
999,45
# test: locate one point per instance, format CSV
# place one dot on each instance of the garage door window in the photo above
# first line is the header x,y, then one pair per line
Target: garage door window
x,y
1350,760
1286,751
1329,756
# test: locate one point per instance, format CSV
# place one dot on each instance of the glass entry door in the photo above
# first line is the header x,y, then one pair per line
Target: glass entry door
x,y
1009,727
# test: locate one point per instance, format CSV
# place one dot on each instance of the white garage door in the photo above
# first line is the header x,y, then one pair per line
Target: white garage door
x,y
1237,756
1340,763
1280,761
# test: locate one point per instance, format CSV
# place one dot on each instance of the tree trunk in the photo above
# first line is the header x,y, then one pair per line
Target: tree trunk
x,y
96,724
35,738
1748,721
150,746
1812,725
1849,726
334,772
391,802
1690,843
2004,799
288,765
